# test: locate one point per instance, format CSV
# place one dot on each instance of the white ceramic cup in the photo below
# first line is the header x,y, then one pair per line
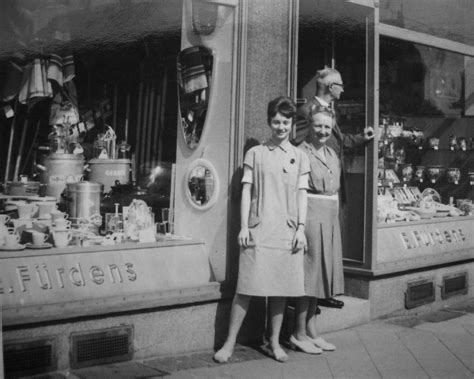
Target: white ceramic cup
x,y
45,208
11,240
4,219
62,223
38,238
26,210
58,215
62,237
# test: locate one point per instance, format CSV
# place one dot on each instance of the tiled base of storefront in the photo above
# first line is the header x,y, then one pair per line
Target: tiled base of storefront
x,y
169,331
388,293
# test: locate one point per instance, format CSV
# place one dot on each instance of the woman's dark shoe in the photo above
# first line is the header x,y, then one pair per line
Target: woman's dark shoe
x,y
331,303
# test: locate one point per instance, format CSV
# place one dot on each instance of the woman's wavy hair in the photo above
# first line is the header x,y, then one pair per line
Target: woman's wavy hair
x,y
283,105
316,109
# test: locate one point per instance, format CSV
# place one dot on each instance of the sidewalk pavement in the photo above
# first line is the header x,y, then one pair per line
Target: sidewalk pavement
x,y
436,344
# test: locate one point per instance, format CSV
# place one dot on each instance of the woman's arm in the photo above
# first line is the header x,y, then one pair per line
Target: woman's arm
x,y
299,240
243,238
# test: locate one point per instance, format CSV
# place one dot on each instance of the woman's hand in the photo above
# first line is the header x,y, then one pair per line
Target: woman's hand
x,y
299,240
244,237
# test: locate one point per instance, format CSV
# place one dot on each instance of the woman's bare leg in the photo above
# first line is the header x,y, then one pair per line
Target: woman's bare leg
x,y
277,309
311,330
302,304
240,306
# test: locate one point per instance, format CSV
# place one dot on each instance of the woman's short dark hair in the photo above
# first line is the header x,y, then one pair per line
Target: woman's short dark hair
x,y
283,105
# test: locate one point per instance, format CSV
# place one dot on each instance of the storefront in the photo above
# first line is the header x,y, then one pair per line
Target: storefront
x,y
165,97
106,105
413,186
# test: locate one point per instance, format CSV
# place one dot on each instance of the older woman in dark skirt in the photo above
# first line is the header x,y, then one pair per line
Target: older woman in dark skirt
x,y
323,260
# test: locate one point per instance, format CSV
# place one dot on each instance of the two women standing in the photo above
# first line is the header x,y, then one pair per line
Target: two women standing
x,y
272,236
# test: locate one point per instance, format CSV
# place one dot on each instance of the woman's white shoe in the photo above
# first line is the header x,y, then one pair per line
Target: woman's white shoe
x,y
305,346
322,344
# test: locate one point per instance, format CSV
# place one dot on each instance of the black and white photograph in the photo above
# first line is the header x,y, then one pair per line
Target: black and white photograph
x,y
236,189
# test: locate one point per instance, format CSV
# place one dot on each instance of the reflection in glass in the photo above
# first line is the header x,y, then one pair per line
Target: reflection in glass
x,y
201,185
194,70
204,17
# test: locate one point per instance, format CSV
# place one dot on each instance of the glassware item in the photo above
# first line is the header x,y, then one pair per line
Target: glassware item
x,y
419,173
452,142
400,156
114,221
462,143
453,174
165,214
434,173
407,172
470,175
434,143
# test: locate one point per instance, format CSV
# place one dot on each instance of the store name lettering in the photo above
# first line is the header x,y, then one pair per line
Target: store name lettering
x,y
114,172
424,238
47,279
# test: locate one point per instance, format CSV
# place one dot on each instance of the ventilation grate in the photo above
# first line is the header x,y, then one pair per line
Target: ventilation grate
x,y
101,347
455,284
419,293
23,358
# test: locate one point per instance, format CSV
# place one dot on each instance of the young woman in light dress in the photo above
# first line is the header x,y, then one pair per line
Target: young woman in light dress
x,y
273,216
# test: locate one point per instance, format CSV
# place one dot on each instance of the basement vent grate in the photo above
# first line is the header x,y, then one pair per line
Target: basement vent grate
x,y
101,347
453,285
419,293
22,358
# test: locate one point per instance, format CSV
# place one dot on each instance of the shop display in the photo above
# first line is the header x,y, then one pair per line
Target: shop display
x,y
407,165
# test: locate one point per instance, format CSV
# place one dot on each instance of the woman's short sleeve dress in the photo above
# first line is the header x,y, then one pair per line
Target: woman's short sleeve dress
x,y
269,267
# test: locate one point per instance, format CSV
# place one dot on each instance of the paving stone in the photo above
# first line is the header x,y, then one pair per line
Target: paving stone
x,y
433,356
183,362
461,345
444,327
385,326
406,321
390,356
463,320
469,328
125,370
438,316
350,359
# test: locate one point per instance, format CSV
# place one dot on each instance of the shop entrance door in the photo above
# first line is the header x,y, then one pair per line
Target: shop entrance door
x,y
337,34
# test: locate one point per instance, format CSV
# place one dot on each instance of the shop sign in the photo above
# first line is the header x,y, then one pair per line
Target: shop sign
x,y
425,238
72,274
408,241
33,276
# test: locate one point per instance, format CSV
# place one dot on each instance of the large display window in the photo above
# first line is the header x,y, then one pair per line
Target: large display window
x,y
412,187
89,92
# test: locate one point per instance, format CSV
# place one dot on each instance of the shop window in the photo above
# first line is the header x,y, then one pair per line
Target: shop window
x,y
425,134
431,17
333,34
92,78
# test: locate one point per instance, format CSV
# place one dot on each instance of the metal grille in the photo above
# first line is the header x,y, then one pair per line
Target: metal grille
x,y
29,358
100,347
419,293
453,285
